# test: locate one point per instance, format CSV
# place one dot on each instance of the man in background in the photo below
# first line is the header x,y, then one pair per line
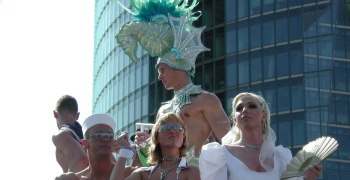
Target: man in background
x,y
70,154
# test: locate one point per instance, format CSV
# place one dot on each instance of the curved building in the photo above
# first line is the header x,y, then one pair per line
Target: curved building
x,y
296,53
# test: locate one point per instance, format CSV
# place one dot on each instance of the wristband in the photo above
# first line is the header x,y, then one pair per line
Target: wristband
x,y
127,152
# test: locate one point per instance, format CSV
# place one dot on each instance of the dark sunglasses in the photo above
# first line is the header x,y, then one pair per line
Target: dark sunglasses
x,y
167,127
102,135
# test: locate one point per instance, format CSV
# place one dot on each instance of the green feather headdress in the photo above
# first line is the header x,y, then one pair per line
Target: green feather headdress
x,y
163,28
145,10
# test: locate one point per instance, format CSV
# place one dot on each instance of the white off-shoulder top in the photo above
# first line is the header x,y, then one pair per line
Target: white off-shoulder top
x,y
216,162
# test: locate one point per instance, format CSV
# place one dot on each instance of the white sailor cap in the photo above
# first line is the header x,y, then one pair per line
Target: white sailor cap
x,y
98,119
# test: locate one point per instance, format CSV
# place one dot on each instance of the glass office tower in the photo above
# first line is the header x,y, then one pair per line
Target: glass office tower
x,y
296,53
120,88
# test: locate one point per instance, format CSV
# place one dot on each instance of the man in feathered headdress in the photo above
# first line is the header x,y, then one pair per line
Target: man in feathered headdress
x,y
172,38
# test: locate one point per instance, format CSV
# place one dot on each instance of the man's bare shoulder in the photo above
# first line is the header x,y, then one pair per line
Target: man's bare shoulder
x,y
64,140
60,135
206,98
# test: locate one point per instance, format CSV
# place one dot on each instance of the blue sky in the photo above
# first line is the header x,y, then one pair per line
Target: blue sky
x,y
46,50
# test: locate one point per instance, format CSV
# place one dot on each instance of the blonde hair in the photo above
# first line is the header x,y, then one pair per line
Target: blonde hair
x,y
264,108
154,148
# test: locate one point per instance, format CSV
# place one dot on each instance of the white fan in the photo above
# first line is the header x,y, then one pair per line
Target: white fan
x,y
314,152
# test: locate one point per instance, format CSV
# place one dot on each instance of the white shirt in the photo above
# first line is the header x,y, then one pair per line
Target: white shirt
x,y
216,162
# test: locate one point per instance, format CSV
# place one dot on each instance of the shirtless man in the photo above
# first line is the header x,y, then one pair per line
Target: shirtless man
x,y
200,110
202,115
70,154
98,141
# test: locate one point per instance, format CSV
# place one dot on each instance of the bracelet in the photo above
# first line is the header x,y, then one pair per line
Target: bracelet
x,y
127,152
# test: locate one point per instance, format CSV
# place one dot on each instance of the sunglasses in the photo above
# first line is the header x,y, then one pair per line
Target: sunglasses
x,y
168,127
102,135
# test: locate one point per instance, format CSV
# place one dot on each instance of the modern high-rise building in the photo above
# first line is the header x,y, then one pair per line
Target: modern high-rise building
x,y
296,53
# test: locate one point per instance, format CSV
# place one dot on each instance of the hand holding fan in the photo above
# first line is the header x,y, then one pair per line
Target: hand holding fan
x,y
314,152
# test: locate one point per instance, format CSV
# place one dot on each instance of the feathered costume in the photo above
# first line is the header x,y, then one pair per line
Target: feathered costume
x,y
164,29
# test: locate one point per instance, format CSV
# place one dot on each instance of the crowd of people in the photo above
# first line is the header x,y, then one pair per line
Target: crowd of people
x,y
249,151
192,137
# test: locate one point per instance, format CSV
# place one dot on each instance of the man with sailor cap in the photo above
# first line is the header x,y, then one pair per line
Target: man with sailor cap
x,y
98,130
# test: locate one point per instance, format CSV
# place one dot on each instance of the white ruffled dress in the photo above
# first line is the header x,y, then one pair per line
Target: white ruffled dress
x,y
216,162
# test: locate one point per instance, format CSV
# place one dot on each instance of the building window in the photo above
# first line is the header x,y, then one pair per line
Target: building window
x,y
284,127
311,98
231,71
255,7
283,95
298,128
242,8
209,77
231,39
230,15
145,101
243,35
131,107
208,13
208,42
268,29
295,28
230,94
219,74
269,63
255,32
313,132
280,4
296,58
270,95
281,27
219,42
342,109
324,14
282,61
198,78
256,88
256,66
298,93
310,21
219,12
125,119
313,115
268,5
340,75
145,71
325,46
138,75
243,68
138,105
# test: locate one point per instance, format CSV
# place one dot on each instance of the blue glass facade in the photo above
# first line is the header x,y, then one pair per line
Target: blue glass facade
x,y
120,88
296,53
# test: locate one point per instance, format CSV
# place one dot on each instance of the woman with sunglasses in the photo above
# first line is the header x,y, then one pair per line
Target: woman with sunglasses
x,y
249,152
167,154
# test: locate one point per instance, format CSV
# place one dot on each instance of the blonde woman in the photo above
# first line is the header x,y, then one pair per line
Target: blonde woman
x,y
250,151
167,154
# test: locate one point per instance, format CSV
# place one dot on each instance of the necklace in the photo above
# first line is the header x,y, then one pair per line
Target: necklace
x,y
182,97
170,159
165,172
251,147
